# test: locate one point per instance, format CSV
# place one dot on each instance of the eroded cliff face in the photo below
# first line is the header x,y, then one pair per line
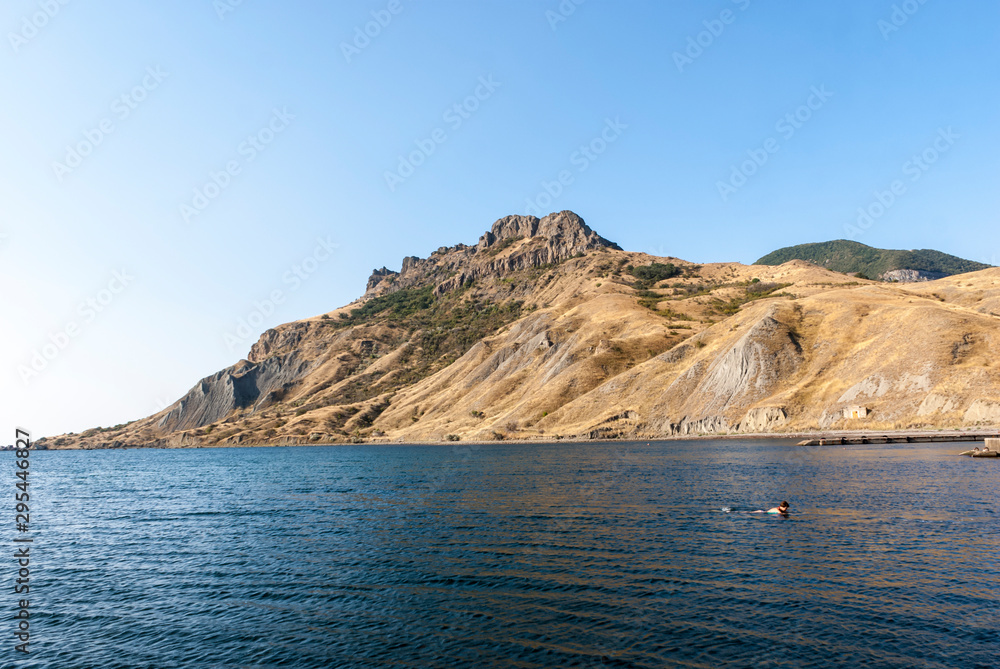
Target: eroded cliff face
x,y
541,331
713,394
513,244
911,275
765,357
243,386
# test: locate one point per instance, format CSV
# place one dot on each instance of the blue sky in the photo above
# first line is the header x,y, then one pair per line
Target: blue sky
x,y
172,171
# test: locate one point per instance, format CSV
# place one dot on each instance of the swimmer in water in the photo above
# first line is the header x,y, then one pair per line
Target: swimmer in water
x,y
781,508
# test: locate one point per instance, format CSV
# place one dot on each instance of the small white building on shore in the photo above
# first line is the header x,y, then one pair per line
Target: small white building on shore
x,y
855,412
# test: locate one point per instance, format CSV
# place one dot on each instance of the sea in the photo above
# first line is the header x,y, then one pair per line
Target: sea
x,y
626,554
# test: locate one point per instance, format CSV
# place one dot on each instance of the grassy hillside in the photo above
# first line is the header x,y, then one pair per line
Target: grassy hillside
x,y
550,340
577,351
852,257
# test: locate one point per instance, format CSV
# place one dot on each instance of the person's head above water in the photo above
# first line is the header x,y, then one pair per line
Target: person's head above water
x,y
783,506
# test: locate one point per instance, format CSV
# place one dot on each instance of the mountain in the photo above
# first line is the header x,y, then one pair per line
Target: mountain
x,y
888,265
546,330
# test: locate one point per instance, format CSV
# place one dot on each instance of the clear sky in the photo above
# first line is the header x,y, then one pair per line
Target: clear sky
x,y
172,169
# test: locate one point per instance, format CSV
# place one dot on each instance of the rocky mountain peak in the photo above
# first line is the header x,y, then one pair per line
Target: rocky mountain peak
x,y
378,275
564,228
554,238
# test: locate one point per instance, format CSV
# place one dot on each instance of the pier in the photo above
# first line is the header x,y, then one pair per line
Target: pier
x,y
991,438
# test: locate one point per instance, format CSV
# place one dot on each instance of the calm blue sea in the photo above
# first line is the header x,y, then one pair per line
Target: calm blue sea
x,y
567,555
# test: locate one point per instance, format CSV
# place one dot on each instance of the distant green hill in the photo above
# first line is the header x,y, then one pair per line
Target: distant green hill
x,y
852,257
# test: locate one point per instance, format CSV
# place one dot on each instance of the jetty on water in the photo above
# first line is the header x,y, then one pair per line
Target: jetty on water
x,y
992,439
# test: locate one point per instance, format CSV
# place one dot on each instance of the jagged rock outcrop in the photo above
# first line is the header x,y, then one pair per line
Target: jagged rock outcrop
x,y
911,275
763,419
707,425
552,239
276,340
565,232
378,275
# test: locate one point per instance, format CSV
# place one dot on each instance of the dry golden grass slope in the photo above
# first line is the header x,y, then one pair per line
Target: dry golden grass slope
x,y
540,331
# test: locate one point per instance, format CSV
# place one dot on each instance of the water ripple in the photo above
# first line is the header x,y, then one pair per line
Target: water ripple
x,y
610,555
